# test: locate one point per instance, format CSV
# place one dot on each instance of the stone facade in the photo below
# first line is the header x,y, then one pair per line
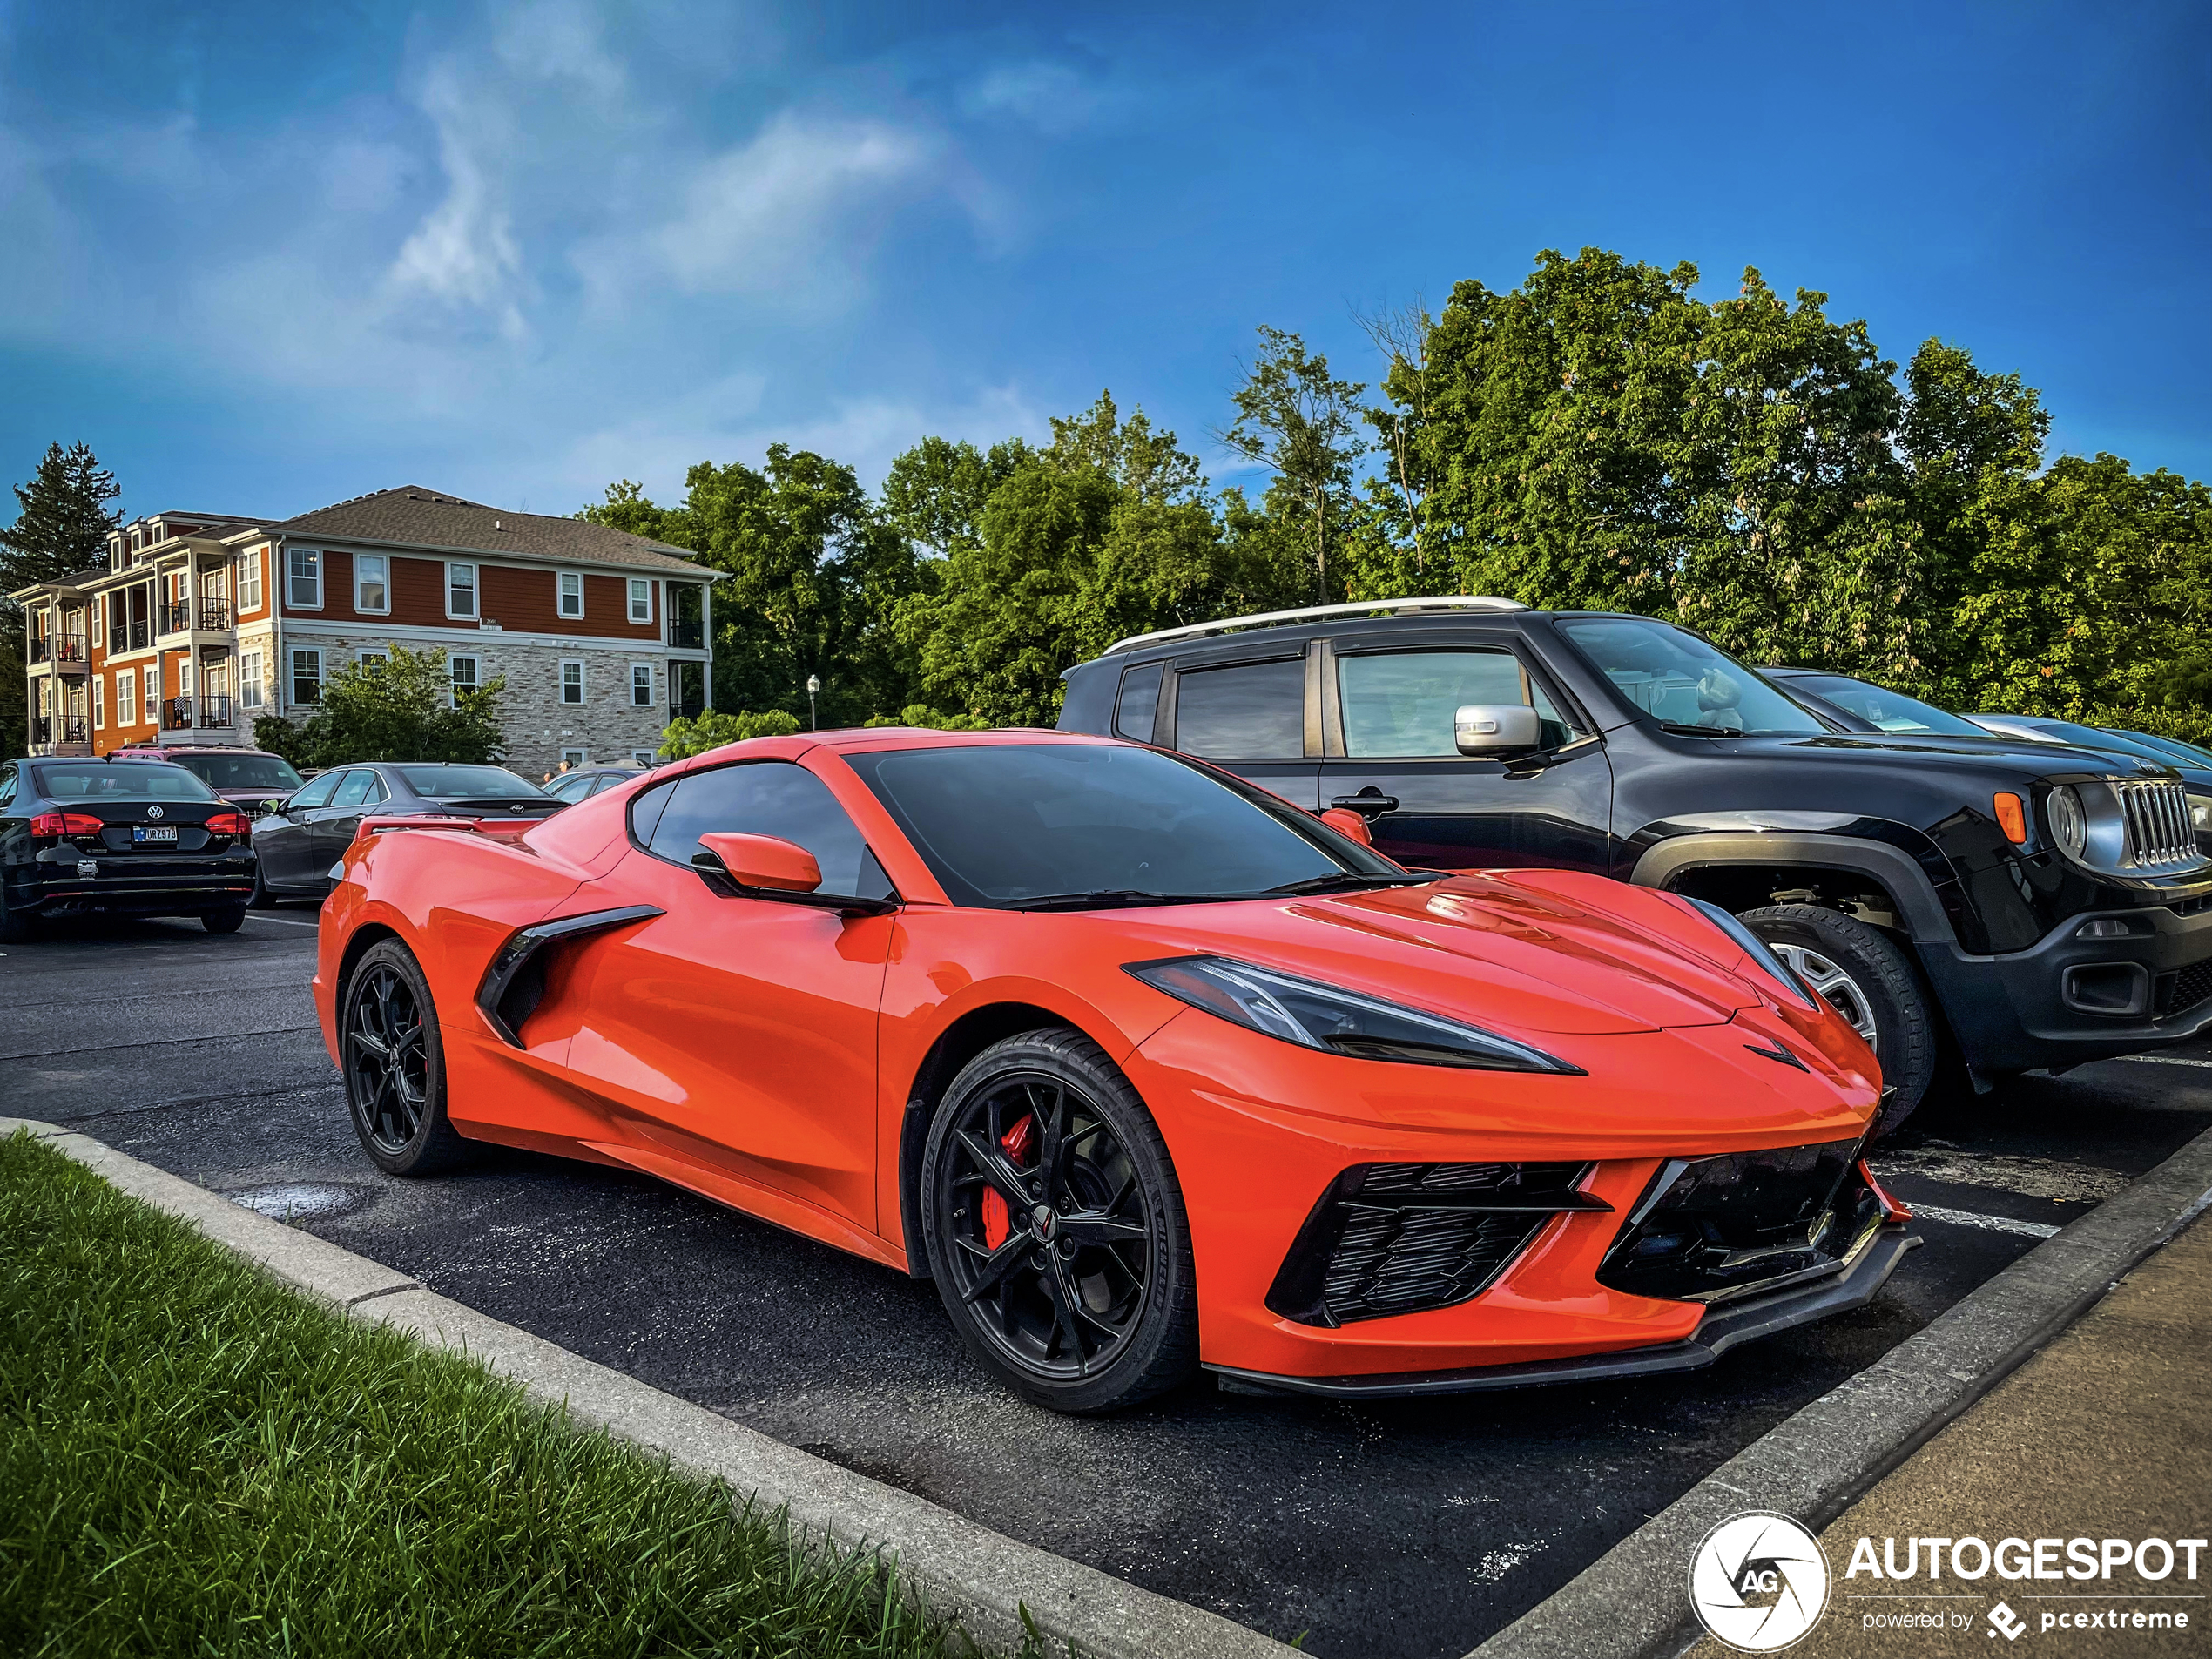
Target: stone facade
x,y
540,728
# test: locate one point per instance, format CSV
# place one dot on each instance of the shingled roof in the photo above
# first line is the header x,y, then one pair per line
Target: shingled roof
x,y
414,516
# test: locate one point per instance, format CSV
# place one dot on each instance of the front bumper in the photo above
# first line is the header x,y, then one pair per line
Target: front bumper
x,y
1721,1329
2046,1011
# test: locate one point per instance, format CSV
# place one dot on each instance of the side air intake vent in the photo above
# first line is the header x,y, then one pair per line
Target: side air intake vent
x,y
514,981
1390,1238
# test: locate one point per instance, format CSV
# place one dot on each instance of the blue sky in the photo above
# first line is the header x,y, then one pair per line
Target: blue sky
x,y
267,256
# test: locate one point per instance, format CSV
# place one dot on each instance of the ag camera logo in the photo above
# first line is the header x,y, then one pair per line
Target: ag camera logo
x,y
1758,1583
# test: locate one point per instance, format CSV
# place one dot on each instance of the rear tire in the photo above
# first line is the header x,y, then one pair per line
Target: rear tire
x,y
394,1062
1864,976
1098,1309
223,921
16,928
262,899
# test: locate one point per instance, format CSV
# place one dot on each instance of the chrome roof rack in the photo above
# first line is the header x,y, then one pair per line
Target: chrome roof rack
x,y
1310,613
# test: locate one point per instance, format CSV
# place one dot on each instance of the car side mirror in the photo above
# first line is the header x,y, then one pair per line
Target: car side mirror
x,y
274,808
1346,822
1495,731
763,861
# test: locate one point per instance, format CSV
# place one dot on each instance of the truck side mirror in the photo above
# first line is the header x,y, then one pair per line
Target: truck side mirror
x,y
1496,731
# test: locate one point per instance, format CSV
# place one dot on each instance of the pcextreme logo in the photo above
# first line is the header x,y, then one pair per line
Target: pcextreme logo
x,y
1758,1583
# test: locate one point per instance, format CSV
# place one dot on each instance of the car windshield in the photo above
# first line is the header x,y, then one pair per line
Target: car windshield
x,y
1891,711
120,781
1002,824
468,783
2090,736
1685,684
271,772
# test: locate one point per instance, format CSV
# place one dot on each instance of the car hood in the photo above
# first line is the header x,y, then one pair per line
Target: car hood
x,y
1511,951
1905,748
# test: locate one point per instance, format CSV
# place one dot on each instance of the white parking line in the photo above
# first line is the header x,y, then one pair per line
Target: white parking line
x,y
288,922
2164,1059
1987,1224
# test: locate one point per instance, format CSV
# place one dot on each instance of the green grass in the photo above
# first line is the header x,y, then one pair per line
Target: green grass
x,y
194,1461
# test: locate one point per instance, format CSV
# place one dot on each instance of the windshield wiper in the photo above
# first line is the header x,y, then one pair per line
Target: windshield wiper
x,y
1700,731
1343,880
1109,899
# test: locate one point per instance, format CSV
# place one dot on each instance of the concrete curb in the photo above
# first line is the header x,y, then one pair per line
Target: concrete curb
x,y
1632,1601
964,1570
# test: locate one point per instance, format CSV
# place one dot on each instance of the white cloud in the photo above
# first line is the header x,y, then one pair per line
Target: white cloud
x,y
794,212
464,250
1050,97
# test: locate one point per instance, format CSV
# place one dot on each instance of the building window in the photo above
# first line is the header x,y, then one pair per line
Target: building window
x,y
571,682
641,685
640,757
99,704
572,596
303,580
464,676
126,697
372,591
641,600
249,580
151,710
374,658
306,676
249,680
572,758
460,591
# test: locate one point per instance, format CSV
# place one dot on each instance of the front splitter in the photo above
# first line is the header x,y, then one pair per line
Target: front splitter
x,y
1721,1329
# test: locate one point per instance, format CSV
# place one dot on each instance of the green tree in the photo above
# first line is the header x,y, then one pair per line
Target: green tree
x,y
64,519
628,508
1297,419
401,708
712,729
933,494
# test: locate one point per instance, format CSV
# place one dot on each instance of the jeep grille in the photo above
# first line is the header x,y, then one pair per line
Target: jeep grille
x,y
2157,816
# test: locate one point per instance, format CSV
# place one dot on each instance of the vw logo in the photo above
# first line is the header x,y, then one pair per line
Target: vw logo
x,y
155,811
1758,1583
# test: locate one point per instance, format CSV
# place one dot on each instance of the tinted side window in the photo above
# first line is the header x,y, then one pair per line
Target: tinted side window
x,y
317,794
7,785
1140,702
1402,703
355,790
1247,712
770,798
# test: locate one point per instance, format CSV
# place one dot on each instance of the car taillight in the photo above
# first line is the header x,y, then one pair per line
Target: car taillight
x,y
56,826
230,824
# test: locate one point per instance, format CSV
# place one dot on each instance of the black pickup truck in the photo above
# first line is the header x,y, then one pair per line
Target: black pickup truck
x,y
2023,904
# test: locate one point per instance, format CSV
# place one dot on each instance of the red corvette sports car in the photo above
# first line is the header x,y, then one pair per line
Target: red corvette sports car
x,y
1148,1069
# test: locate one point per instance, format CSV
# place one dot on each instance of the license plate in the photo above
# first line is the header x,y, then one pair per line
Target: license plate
x,y
145,833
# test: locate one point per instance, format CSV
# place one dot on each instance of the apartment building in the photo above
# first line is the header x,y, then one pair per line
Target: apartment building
x,y
202,623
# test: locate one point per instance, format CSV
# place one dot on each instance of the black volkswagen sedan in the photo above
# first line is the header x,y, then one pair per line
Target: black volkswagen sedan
x,y
302,836
129,837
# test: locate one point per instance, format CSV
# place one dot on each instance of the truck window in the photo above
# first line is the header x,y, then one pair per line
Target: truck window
x,y
1140,702
1402,703
1244,711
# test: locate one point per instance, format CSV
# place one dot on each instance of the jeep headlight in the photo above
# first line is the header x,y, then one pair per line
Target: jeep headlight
x,y
2201,814
2069,823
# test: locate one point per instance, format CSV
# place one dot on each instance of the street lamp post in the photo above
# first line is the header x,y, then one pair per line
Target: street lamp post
x,y
813,684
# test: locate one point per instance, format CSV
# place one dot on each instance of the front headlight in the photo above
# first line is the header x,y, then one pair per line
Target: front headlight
x,y
2069,823
2201,814
1314,1015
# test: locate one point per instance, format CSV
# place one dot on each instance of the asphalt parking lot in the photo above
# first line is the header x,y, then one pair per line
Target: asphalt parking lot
x,y
1408,1529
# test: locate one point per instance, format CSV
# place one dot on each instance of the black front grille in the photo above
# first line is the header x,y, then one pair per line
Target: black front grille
x,y
1706,1228
1389,1238
2179,993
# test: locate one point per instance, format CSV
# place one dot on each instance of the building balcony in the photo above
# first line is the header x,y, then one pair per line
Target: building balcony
x,y
687,633
50,736
127,636
200,616
195,714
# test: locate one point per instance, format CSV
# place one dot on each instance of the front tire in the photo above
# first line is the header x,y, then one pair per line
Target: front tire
x,y
1057,1229
228,921
1863,975
393,1062
262,899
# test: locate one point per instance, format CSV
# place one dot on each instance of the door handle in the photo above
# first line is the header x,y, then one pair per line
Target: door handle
x,y
1368,803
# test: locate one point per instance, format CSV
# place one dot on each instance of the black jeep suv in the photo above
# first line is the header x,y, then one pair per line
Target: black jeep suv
x,y
2038,905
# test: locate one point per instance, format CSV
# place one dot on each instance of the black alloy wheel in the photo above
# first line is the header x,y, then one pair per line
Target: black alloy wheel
x,y
1055,1229
394,1065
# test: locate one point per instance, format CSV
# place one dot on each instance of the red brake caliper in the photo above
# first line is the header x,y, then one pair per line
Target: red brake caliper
x,y
997,1220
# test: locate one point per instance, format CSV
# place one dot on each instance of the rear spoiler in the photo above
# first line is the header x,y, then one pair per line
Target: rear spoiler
x,y
498,829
